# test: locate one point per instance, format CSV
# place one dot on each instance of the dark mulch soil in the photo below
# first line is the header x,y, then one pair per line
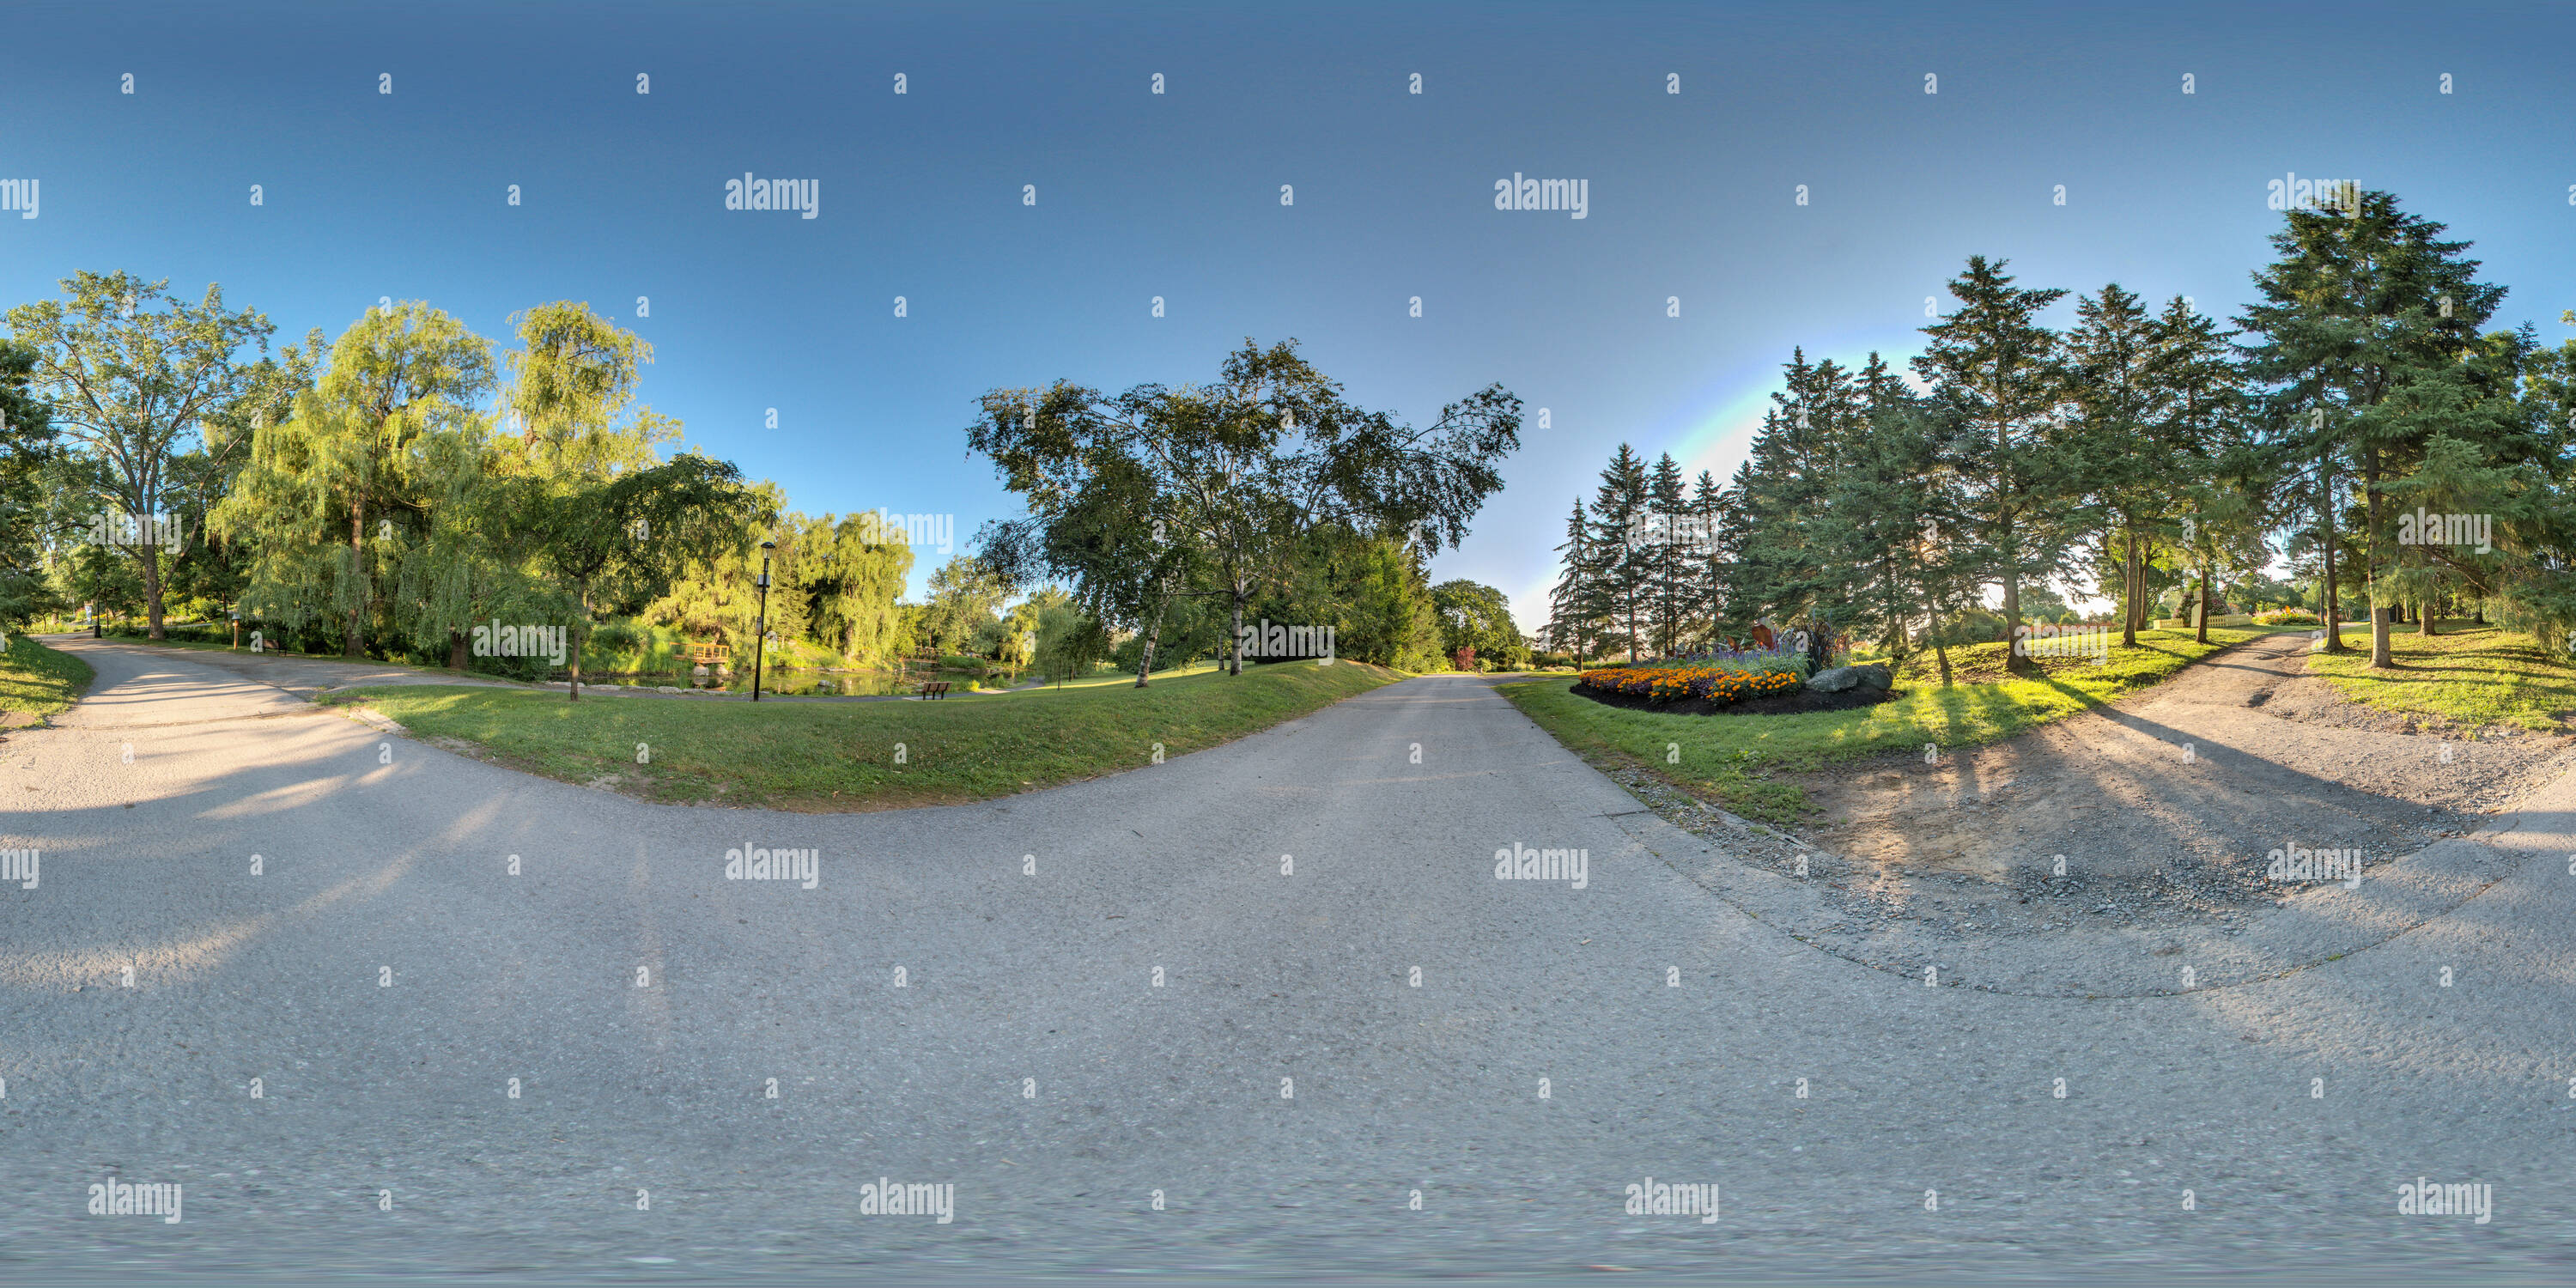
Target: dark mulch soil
x,y
1781,704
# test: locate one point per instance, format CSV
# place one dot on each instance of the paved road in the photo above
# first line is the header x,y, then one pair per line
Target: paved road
x,y
385,977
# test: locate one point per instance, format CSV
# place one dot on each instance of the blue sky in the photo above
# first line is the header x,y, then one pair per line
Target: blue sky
x,y
1177,195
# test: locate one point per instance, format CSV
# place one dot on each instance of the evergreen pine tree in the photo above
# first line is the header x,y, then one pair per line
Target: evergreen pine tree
x,y
2356,311
1996,367
1622,558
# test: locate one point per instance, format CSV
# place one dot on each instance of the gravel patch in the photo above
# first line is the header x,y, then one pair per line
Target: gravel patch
x,y
2101,854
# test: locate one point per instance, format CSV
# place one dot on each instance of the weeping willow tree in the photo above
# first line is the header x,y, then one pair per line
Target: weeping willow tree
x,y
469,562
719,598
337,495
853,575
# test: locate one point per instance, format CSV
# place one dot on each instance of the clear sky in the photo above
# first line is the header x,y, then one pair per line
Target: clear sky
x,y
1690,195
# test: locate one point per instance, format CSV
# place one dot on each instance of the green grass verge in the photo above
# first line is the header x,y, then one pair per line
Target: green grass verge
x,y
36,680
1733,759
2469,674
817,756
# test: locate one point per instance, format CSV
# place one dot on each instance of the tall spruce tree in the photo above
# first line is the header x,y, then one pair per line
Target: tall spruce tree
x,y
1709,508
1785,566
1671,554
1622,558
2110,355
1574,605
2357,309
1996,368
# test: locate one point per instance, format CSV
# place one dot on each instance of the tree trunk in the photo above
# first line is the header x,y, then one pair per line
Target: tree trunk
x,y
2015,661
152,591
1145,655
2129,610
350,645
2380,655
1940,648
2333,597
582,591
1237,668
2200,623
2016,658
456,650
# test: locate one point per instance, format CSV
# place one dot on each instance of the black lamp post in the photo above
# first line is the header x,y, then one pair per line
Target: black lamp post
x,y
760,642
236,626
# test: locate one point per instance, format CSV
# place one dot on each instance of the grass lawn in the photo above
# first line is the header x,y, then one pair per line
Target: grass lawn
x,y
2469,674
820,756
1730,759
37,680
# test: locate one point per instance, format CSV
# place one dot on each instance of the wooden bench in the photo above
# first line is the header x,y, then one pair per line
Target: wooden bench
x,y
934,689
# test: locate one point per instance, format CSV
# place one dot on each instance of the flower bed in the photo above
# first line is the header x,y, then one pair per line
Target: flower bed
x,y
1719,685
1717,659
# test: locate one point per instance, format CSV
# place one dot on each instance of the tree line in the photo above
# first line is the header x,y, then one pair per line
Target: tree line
x,y
2355,402
382,492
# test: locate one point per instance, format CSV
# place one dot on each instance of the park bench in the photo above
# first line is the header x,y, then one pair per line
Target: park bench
x,y
934,689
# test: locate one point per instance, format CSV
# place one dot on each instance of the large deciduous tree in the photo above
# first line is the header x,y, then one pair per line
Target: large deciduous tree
x,y
629,534
1161,483
1479,617
604,516
128,372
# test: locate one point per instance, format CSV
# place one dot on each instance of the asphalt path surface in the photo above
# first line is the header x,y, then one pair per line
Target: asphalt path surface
x,y
968,997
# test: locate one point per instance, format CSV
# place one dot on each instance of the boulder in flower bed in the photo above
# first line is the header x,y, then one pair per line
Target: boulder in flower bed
x,y
1840,678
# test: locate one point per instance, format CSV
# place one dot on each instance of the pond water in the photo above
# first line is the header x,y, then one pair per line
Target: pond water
x,y
847,684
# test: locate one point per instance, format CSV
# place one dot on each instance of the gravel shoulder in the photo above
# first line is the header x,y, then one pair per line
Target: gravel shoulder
x,y
2090,855
304,677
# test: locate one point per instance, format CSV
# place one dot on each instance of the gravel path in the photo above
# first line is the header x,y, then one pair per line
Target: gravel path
x,y
386,977
2096,855
296,674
